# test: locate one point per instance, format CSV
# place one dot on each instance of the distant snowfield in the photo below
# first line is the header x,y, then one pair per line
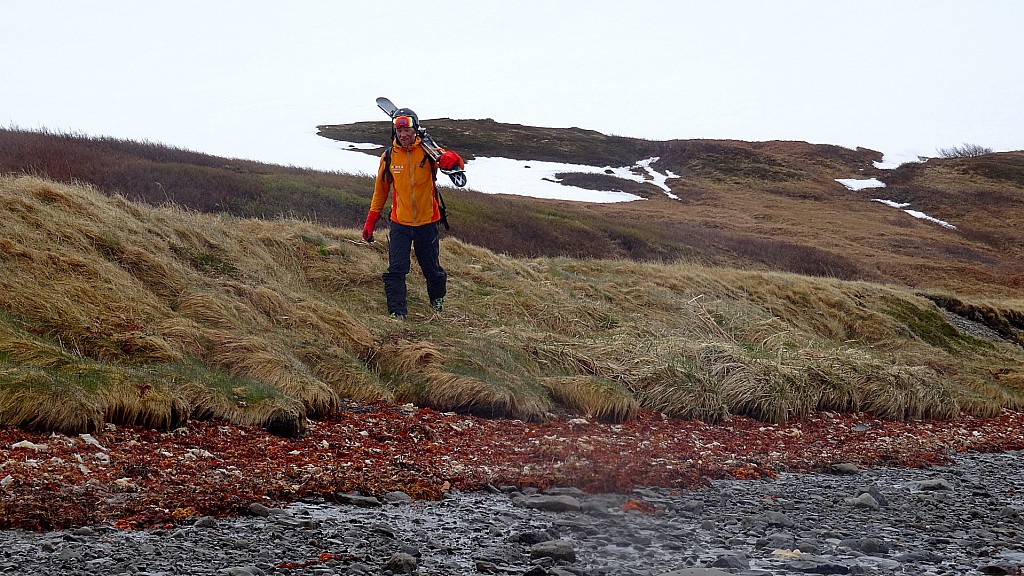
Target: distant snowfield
x,y
533,178
539,179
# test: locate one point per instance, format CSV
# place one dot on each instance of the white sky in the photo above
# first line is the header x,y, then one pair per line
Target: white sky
x,y
252,78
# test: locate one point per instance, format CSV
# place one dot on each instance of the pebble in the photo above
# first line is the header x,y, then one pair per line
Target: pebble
x,y
943,521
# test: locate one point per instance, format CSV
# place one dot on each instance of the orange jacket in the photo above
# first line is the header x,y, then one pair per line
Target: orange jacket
x,y
414,202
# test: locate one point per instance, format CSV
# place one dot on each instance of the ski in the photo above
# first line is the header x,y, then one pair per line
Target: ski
x,y
432,148
386,105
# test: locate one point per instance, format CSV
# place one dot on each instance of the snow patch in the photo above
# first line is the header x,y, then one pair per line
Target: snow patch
x,y
866,183
891,203
891,160
539,180
924,216
359,145
861,184
657,178
914,213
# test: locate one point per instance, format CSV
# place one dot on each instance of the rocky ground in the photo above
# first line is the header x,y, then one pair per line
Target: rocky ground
x,y
960,519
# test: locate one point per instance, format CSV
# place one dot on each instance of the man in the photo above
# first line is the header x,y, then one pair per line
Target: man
x,y
407,171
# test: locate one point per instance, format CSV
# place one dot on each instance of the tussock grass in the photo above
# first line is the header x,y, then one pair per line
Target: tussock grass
x,y
592,397
909,393
113,311
488,398
686,392
43,400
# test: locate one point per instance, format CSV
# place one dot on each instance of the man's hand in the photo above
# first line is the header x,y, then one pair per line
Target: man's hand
x,y
450,160
371,221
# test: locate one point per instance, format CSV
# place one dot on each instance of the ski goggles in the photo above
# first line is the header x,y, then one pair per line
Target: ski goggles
x,y
404,122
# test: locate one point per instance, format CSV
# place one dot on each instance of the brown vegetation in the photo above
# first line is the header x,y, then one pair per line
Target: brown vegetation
x,y
132,478
751,205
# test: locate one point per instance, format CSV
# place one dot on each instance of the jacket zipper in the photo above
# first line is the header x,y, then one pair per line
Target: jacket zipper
x,y
412,186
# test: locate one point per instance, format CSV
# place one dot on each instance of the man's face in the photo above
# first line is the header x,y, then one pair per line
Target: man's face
x,y
406,135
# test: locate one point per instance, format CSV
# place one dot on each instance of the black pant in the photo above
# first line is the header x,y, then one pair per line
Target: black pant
x,y
404,239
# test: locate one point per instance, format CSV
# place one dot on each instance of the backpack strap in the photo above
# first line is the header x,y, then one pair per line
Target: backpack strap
x,y
387,164
442,208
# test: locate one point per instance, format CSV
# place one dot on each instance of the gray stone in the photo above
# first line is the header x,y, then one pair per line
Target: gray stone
x,y
401,563
575,492
931,485
776,540
870,546
774,518
696,572
999,568
532,537
816,565
692,506
397,497
557,549
807,546
876,493
847,468
206,522
865,500
549,503
243,571
355,499
1009,512
732,561
257,509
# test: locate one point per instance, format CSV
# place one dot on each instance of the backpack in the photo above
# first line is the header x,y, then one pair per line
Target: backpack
x,y
433,172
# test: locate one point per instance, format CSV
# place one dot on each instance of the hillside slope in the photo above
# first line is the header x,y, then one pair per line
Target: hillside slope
x,y
777,205
757,206
116,311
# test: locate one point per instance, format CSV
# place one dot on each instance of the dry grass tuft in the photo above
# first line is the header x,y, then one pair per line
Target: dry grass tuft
x,y
686,392
413,357
836,378
138,397
346,375
459,393
595,398
38,399
249,357
908,393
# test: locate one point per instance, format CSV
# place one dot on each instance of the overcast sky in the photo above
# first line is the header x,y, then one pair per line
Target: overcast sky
x,y
252,79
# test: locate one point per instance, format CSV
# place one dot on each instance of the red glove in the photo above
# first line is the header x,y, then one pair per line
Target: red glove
x,y
371,221
450,160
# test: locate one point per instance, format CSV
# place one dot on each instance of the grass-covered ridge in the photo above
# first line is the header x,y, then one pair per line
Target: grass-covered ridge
x,y
116,311
750,205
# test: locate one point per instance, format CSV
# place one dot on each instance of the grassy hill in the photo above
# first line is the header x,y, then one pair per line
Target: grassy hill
x,y
113,309
763,205
756,206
